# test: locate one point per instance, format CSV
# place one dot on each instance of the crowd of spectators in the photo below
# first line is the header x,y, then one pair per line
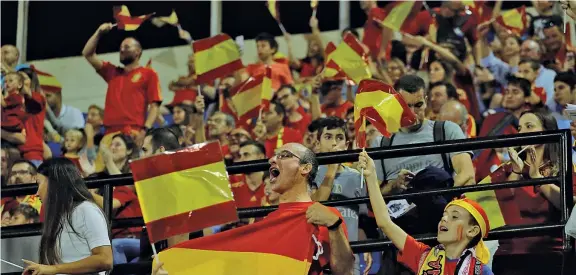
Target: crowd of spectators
x,y
479,80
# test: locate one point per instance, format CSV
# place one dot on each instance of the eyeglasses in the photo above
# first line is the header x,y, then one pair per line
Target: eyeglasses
x,y
286,155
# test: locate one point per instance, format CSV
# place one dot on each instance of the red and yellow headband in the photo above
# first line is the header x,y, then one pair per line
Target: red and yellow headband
x,y
481,218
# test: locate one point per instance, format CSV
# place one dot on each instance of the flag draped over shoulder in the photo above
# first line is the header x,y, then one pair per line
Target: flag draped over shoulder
x,y
514,20
127,22
281,58
216,57
383,107
487,198
277,245
398,12
252,95
348,58
183,191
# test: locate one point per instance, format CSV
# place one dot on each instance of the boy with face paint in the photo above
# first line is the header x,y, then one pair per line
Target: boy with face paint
x,y
460,232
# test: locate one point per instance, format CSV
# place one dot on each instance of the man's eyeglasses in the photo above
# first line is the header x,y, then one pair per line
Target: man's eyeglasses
x,y
286,155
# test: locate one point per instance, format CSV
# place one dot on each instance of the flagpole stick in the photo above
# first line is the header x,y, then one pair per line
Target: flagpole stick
x,y
114,25
314,13
154,252
282,28
564,21
12,264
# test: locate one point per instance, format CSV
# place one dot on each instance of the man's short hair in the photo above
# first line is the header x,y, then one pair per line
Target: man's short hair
x,y
268,38
310,158
534,64
568,78
450,89
164,137
330,123
100,110
31,166
327,86
520,82
314,125
409,83
256,144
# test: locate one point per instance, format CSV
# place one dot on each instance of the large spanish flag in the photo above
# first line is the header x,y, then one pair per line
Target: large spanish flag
x,y
277,245
398,12
514,20
488,200
48,82
183,191
216,57
350,58
252,95
383,107
127,22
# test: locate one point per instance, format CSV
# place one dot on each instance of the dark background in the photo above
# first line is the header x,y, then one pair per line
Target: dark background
x,y
60,29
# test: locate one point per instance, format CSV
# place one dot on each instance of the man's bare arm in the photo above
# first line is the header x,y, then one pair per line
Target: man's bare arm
x,y
341,255
89,51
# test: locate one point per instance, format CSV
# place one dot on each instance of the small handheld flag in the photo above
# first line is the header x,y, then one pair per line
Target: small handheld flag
x,y
127,22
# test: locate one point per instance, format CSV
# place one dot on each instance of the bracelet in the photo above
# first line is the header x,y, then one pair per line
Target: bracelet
x,y
335,225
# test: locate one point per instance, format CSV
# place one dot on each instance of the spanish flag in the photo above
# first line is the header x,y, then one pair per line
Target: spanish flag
x,y
277,245
172,19
127,22
383,107
252,95
184,191
331,70
398,12
514,20
350,58
216,57
272,6
48,82
487,198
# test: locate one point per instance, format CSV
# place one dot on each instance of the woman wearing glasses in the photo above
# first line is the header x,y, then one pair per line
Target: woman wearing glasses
x,y
75,232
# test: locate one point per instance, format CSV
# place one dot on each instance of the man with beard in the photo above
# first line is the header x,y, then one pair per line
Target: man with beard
x,y
292,170
133,96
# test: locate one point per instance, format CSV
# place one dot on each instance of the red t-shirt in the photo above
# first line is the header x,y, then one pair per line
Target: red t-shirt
x,y
338,111
130,209
246,197
288,136
373,31
421,24
317,266
33,148
302,124
14,113
413,253
76,161
281,74
128,95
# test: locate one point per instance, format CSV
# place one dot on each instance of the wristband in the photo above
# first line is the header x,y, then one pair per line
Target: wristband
x,y
335,225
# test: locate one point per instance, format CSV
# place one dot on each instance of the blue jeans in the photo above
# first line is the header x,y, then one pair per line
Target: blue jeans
x,y
125,249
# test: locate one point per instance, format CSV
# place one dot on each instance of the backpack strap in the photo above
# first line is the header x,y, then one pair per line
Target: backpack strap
x,y
385,143
440,136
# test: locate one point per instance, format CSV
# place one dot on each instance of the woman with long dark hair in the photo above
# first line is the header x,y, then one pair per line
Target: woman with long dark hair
x,y
74,233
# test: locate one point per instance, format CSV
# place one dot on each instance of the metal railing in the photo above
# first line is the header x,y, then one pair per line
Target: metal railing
x,y
563,179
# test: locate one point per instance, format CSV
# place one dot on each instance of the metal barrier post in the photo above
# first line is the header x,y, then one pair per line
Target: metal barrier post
x,y
107,196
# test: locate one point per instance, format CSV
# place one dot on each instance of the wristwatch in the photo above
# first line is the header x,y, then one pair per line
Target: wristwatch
x,y
335,225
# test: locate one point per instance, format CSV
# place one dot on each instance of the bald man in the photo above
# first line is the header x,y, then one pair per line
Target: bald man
x,y
133,96
456,112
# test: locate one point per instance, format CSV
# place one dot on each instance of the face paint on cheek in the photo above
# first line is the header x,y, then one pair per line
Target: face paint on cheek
x,y
459,232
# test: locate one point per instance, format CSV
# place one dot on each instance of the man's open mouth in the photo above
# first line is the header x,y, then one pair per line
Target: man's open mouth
x,y
443,228
274,173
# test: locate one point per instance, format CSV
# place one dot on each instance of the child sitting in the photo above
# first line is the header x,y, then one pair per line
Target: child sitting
x,y
460,231
74,142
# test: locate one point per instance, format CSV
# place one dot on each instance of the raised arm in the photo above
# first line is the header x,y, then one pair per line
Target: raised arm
x,y
89,51
392,231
